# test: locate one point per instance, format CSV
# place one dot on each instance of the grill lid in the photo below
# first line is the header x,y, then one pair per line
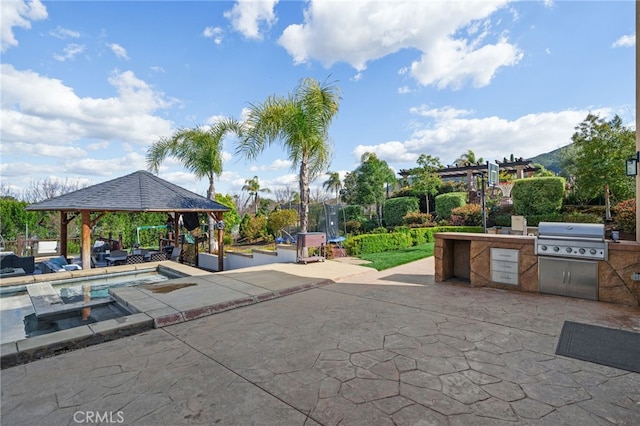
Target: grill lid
x,y
563,230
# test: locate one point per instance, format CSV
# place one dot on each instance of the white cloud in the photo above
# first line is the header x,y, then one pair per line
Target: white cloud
x,y
118,50
70,52
625,41
449,135
275,165
38,109
18,14
213,32
362,31
248,15
64,33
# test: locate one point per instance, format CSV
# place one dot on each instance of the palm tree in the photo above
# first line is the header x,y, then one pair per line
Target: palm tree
x,y
200,151
469,157
300,122
252,186
334,183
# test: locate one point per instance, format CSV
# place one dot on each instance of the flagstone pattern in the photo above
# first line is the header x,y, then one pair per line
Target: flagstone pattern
x,y
370,350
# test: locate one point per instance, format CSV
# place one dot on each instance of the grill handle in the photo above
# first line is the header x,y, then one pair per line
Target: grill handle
x,y
558,238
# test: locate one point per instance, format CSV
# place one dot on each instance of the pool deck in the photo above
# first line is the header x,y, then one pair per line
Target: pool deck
x,y
199,293
348,345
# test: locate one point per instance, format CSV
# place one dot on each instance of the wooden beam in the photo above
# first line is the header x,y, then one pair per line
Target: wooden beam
x,y
97,218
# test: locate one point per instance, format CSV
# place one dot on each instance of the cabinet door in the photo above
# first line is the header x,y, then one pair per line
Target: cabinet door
x,y
552,276
582,279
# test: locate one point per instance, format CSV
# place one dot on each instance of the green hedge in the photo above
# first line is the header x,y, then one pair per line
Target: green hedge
x,y
537,196
378,243
395,209
449,201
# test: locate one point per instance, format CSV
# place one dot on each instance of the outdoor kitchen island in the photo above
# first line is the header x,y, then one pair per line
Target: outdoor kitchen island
x,y
510,262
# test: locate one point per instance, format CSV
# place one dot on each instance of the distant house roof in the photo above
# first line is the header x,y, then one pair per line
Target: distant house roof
x,y
140,191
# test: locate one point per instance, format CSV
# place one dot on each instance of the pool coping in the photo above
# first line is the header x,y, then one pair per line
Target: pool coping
x,y
46,345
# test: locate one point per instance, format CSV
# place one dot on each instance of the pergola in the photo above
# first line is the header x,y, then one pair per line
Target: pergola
x,y
140,191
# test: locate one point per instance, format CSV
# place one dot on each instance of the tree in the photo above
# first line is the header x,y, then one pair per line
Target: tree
x,y
200,151
371,176
469,157
252,186
597,159
334,183
300,122
425,177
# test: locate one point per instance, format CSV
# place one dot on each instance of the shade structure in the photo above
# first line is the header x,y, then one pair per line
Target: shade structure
x,y
140,191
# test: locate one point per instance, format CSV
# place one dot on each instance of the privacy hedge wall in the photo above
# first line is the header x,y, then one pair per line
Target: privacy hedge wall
x,y
449,201
378,243
537,196
395,209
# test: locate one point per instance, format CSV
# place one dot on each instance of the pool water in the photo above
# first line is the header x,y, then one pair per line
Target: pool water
x,y
18,319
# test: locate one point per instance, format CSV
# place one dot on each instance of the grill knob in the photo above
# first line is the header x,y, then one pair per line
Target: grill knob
x,y
543,248
568,249
592,251
556,248
582,251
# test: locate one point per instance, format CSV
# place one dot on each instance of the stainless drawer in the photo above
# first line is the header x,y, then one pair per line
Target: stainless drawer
x,y
504,277
503,266
504,254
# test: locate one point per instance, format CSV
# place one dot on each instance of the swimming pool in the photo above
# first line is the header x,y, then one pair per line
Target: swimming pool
x,y
17,316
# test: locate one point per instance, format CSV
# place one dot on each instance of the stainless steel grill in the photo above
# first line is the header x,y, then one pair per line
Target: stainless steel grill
x,y
571,240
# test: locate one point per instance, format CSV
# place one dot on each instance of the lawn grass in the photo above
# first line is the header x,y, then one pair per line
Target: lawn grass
x,y
389,259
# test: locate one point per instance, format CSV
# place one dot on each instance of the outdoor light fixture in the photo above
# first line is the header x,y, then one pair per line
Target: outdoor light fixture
x,y
632,165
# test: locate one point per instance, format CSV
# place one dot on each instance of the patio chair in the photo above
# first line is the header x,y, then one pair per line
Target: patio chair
x,y
158,257
133,259
95,263
175,253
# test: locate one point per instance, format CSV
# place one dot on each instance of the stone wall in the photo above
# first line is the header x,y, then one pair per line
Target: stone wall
x,y
615,283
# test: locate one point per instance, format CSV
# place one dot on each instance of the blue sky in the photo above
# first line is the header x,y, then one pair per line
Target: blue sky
x,y
88,86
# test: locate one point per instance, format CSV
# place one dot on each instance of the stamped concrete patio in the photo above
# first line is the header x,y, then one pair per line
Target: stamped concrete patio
x,y
385,348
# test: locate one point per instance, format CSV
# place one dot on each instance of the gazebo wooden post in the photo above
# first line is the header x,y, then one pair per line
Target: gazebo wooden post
x,y
85,243
86,258
176,228
64,222
220,245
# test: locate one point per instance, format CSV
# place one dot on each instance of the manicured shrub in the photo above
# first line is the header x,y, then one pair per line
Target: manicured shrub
x,y
396,208
280,219
577,217
353,227
535,219
377,243
625,212
468,215
417,219
535,196
253,227
447,202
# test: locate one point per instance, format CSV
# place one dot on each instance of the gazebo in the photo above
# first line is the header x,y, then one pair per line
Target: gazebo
x,y
140,191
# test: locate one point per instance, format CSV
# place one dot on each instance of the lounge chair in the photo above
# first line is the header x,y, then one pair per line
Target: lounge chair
x,y
58,264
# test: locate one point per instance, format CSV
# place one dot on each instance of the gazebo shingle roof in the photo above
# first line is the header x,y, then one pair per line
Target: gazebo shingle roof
x,y
140,191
